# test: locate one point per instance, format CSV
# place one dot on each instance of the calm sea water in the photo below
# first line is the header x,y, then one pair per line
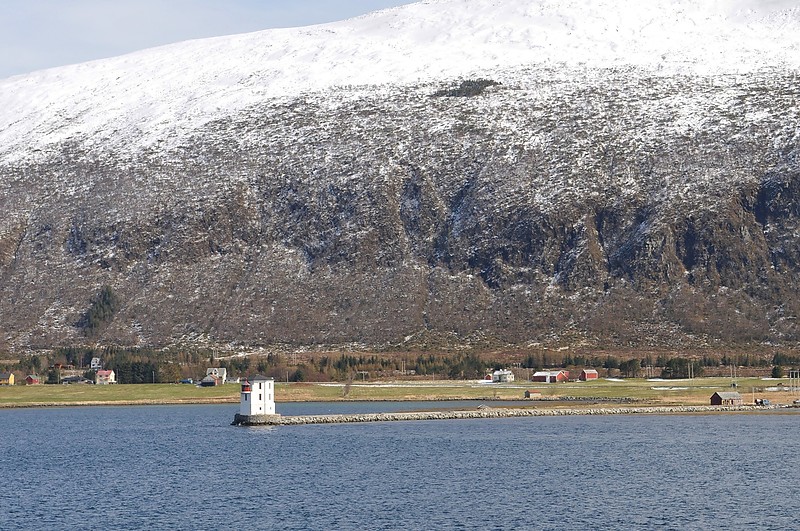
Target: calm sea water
x,y
184,467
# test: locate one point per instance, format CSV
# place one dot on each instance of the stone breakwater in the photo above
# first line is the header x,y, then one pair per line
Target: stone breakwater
x,y
483,413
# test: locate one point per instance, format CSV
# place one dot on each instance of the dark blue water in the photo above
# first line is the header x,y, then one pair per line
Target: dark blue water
x,y
184,467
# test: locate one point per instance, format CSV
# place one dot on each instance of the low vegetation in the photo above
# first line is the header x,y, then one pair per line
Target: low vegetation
x,y
602,392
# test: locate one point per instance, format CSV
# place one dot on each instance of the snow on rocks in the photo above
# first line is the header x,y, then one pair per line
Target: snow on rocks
x,y
160,96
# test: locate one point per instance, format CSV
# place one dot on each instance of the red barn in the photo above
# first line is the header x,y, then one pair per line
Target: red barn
x,y
588,374
32,379
551,376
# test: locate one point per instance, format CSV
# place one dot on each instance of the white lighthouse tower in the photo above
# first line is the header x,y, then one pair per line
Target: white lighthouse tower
x,y
257,398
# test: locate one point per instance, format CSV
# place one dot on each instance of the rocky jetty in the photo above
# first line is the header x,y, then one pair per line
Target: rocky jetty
x,y
256,420
483,413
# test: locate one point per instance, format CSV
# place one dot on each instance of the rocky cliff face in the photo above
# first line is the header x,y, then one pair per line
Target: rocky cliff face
x,y
610,206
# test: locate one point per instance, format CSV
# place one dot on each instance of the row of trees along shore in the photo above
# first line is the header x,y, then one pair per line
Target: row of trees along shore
x,y
142,365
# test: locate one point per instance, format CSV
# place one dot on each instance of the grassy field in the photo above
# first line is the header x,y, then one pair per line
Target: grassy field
x,y
672,392
43,395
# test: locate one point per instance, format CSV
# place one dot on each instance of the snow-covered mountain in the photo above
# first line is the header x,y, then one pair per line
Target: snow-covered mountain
x,y
611,172
155,95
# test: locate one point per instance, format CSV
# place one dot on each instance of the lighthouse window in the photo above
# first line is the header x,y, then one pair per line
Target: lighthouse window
x,y
259,396
245,398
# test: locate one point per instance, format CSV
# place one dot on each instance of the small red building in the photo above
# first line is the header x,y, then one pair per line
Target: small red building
x,y
588,374
32,379
550,376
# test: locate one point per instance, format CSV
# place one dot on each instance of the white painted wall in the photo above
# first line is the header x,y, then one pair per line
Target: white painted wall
x,y
260,400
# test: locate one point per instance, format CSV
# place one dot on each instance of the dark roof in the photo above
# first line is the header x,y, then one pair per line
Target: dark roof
x,y
5,375
727,395
75,379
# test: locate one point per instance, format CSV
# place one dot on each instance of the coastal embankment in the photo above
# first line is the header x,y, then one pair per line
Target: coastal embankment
x,y
481,413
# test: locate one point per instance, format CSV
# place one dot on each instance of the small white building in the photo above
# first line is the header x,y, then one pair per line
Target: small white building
x,y
258,397
96,364
102,377
503,376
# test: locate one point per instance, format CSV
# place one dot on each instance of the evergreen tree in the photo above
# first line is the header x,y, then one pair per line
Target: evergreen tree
x,y
101,312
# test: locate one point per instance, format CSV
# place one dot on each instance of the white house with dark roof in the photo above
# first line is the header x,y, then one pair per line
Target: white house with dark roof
x,y
218,372
503,375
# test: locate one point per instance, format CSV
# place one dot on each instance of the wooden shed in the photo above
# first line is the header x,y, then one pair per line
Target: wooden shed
x,y
726,398
588,374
